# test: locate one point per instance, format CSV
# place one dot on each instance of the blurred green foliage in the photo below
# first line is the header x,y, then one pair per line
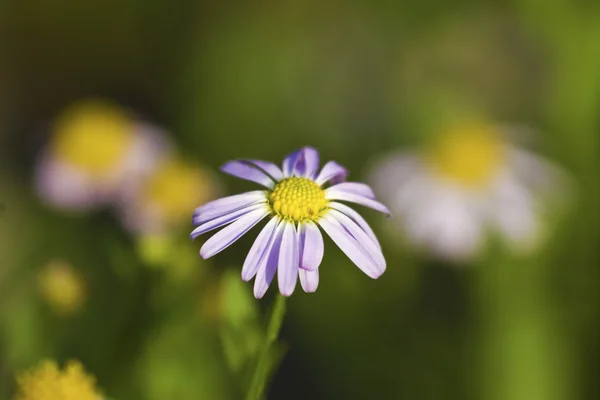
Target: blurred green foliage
x,y
259,80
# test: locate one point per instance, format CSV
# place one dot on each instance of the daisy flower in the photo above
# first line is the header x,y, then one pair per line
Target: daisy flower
x,y
96,152
296,204
469,181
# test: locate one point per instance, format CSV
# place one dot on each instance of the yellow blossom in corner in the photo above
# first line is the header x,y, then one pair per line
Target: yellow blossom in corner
x,y
48,382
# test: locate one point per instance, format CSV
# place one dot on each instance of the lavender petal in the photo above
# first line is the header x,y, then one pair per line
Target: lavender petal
x,y
220,207
348,244
311,246
332,194
333,172
370,248
309,280
287,270
271,169
289,162
356,218
258,249
245,171
307,162
224,220
268,263
228,235
358,188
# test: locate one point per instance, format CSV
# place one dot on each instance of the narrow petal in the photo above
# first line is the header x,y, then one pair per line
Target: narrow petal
x,y
307,162
358,188
349,246
311,247
258,249
228,235
356,218
273,170
333,172
220,207
246,171
309,280
268,263
287,270
224,220
371,249
332,194
289,162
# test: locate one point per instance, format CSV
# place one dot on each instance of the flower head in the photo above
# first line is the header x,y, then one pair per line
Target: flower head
x,y
296,204
470,179
96,151
48,382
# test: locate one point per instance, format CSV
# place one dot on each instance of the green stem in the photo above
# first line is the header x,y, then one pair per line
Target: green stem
x,y
523,347
266,358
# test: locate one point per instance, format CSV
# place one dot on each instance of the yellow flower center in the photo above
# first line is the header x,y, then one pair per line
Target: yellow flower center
x,y
177,187
93,136
297,199
48,382
468,155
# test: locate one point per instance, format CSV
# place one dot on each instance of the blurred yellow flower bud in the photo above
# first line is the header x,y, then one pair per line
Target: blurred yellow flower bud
x,y
62,287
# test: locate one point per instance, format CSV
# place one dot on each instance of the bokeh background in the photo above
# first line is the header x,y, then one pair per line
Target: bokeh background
x,y
224,80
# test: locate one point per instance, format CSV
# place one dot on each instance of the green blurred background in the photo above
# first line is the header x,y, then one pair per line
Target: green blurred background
x,y
258,80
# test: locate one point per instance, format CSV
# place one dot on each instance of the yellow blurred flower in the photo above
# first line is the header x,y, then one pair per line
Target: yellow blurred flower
x,y
93,135
469,155
96,151
164,200
62,287
48,382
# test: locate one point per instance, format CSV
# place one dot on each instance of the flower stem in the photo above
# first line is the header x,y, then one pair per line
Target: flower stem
x,y
268,355
524,349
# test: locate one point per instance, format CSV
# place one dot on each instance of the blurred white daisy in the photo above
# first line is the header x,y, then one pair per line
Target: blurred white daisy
x,y
471,180
95,152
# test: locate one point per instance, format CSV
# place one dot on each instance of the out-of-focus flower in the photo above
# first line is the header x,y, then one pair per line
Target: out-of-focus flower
x,y
48,382
470,179
96,151
296,205
62,287
162,202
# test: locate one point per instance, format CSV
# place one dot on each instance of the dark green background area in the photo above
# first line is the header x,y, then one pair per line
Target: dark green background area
x,y
355,80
